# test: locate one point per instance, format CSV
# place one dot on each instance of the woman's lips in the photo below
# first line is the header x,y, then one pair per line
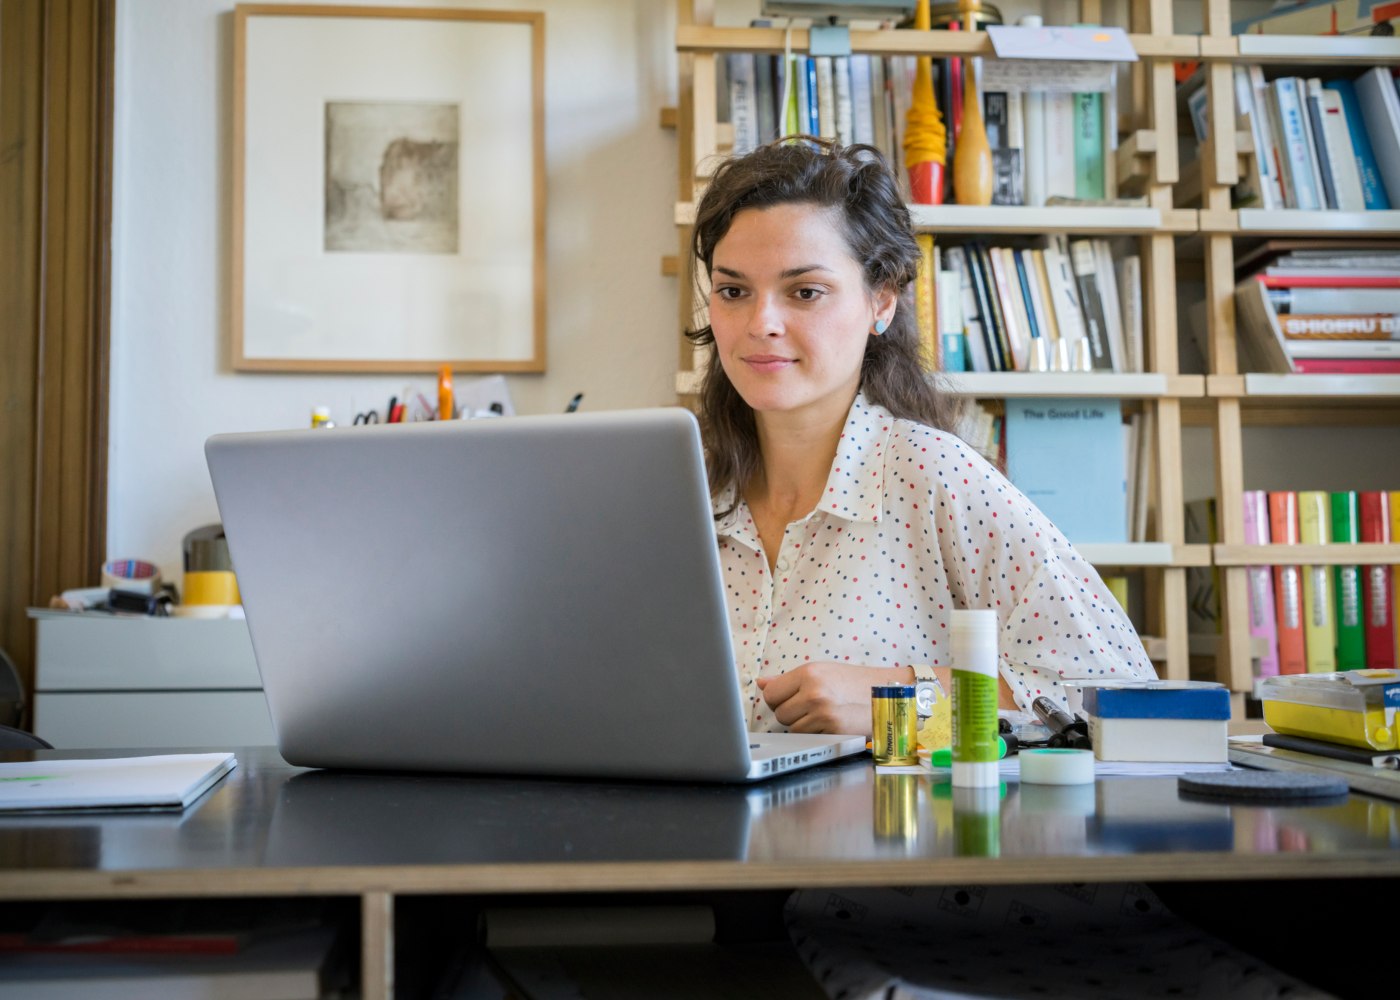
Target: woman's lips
x,y
768,362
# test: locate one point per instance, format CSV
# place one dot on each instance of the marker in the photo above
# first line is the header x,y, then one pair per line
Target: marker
x,y
445,407
573,403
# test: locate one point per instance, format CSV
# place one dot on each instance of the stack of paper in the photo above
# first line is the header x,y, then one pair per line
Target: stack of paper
x,y
169,781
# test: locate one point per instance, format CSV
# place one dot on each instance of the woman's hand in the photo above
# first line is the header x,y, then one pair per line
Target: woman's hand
x,y
827,697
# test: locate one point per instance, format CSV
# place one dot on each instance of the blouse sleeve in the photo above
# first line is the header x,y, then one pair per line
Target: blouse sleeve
x,y
1058,620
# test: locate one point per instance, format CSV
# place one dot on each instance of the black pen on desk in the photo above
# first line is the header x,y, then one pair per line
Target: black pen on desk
x,y
389,410
573,403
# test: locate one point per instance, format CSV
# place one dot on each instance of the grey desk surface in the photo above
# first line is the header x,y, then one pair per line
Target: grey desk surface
x,y
270,828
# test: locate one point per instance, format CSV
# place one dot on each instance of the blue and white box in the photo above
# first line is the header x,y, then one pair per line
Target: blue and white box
x,y
1165,721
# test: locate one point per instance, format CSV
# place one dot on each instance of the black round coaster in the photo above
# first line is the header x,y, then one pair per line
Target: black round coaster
x,y
1261,785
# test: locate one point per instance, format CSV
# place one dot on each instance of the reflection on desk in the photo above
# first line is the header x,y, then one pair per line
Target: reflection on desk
x,y
839,824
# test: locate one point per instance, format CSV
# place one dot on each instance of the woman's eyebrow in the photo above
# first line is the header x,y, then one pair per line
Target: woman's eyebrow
x,y
791,272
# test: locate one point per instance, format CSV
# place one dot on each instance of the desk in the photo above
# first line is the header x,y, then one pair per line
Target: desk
x,y
277,831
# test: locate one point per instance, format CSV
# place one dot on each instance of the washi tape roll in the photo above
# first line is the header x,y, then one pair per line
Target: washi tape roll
x,y
1057,767
134,575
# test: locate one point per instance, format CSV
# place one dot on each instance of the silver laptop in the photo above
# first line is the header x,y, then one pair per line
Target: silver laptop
x,y
528,595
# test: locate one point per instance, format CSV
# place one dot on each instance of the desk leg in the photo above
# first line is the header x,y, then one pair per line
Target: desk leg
x,y
377,946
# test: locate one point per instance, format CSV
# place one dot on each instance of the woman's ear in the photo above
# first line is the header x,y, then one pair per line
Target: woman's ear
x,y
886,303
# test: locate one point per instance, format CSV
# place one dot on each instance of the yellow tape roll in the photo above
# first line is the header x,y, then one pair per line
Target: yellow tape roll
x,y
211,587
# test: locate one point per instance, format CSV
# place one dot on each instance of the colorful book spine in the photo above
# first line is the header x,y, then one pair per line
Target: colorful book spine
x,y
1346,581
1319,624
1288,585
925,297
1372,187
1377,583
1295,143
1263,621
1088,146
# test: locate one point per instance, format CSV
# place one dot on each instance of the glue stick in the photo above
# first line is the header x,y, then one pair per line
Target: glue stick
x,y
975,699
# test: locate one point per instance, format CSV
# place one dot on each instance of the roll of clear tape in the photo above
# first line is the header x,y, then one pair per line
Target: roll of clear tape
x,y
1057,767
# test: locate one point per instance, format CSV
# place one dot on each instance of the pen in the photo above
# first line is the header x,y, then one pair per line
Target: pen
x,y
445,408
573,403
389,410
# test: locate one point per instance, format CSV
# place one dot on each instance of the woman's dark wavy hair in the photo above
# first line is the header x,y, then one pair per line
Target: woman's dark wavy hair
x,y
875,222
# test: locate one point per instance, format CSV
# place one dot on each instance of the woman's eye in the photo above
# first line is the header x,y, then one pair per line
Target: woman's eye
x,y
809,294
728,292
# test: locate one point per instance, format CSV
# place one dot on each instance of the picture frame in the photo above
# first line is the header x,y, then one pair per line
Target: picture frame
x,y
388,189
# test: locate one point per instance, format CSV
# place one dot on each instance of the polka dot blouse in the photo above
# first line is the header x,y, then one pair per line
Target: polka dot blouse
x,y
914,523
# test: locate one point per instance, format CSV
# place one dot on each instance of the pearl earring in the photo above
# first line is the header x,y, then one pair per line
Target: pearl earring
x,y
881,325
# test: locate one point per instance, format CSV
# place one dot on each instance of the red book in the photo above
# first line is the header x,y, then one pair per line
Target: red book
x,y
1376,582
1329,280
1288,585
1347,366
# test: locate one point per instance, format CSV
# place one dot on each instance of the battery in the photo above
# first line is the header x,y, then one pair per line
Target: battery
x,y
894,724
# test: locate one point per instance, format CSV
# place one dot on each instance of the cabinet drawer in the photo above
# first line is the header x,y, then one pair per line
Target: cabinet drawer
x,y
96,652
153,719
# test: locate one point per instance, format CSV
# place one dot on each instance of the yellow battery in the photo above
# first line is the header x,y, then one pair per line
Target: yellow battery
x,y
894,724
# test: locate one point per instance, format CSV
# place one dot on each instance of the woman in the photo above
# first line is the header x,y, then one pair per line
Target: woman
x,y
850,522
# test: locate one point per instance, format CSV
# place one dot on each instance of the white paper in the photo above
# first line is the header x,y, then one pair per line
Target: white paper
x,y
1061,43
167,781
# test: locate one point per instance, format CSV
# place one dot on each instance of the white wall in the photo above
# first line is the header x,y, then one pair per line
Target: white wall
x,y
611,188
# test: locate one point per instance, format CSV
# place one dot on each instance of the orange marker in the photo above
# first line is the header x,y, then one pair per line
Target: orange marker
x,y
445,409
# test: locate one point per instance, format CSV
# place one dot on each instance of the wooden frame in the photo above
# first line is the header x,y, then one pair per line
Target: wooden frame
x,y
388,189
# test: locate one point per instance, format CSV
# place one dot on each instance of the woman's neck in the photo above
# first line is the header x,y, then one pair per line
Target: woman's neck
x,y
798,451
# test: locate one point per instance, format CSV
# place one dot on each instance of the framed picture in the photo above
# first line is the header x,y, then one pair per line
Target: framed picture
x,y
388,189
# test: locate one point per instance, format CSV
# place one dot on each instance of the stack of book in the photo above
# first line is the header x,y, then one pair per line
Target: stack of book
x,y
1318,144
1063,305
1311,619
1322,307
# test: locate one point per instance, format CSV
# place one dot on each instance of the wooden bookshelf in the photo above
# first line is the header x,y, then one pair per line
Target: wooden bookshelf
x,y
1235,398
1147,153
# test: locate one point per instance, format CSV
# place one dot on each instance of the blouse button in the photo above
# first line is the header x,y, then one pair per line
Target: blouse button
x,y
782,565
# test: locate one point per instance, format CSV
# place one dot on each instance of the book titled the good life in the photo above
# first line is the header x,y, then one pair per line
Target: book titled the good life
x,y
161,782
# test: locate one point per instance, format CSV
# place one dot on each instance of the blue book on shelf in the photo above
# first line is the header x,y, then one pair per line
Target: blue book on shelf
x,y
1372,187
1066,455
813,119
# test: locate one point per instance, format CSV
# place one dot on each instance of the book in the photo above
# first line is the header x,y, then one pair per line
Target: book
x,y
1013,308
1346,366
974,341
1059,145
1112,308
1317,140
842,99
1341,300
1256,187
1301,185
1377,582
1373,191
951,337
1346,583
1359,350
925,296
1288,585
879,106
826,97
299,962
1334,326
1259,339
1327,280
1380,112
1085,263
765,71
1319,621
1129,274
1088,146
802,77
862,100
1064,292
1341,156
1066,456
993,321
1033,108
743,101
159,782
1267,121
1263,620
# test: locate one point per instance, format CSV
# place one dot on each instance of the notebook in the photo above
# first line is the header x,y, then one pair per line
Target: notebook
x,y
526,595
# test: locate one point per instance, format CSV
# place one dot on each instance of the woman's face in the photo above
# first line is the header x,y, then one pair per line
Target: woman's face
x,y
791,312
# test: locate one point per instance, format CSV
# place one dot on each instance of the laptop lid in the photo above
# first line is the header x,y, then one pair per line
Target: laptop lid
x,y
533,595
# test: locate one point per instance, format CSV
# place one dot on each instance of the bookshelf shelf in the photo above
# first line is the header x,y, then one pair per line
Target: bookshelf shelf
x,y
1305,50
1016,219
1079,220
1129,555
1336,388
1075,384
698,38
1292,221
1365,554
